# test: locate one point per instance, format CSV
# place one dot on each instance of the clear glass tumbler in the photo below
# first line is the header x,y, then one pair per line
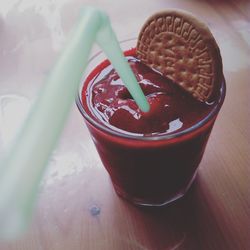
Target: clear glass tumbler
x,y
152,170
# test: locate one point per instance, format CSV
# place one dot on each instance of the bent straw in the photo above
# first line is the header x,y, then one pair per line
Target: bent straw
x,y
22,168
108,42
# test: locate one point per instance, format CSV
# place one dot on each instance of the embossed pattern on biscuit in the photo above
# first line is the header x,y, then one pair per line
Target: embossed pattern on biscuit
x,y
182,49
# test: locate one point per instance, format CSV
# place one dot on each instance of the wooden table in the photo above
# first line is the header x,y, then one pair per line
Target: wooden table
x,y
77,206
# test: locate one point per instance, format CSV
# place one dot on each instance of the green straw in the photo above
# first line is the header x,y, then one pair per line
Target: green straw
x,y
23,165
108,42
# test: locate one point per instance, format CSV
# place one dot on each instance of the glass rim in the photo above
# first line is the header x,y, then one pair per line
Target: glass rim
x,y
129,135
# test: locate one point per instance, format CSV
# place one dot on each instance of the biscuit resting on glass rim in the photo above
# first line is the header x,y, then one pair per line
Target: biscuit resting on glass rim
x,y
183,49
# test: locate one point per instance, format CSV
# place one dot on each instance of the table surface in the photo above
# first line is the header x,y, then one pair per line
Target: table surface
x,y
77,207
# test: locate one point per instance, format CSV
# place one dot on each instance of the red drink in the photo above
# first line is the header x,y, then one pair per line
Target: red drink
x,y
152,158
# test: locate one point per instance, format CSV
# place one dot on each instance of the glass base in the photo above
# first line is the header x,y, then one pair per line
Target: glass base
x,y
145,203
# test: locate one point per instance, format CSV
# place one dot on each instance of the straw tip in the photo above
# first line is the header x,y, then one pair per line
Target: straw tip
x,y
145,107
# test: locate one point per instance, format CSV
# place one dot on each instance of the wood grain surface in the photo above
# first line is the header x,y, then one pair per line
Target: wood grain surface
x,y
77,206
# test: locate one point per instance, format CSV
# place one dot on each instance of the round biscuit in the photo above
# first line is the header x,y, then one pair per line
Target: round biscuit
x,y
183,49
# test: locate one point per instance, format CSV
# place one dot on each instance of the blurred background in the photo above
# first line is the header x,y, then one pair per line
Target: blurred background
x,y
77,207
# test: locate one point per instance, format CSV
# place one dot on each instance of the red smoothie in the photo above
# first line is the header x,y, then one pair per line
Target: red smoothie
x,y
151,157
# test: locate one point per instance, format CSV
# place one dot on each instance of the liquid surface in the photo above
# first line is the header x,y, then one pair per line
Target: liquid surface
x,y
171,108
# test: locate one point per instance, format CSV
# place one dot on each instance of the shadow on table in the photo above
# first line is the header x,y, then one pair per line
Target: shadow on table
x,y
189,223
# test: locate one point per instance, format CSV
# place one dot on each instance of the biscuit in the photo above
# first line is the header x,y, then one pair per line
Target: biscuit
x,y
182,49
